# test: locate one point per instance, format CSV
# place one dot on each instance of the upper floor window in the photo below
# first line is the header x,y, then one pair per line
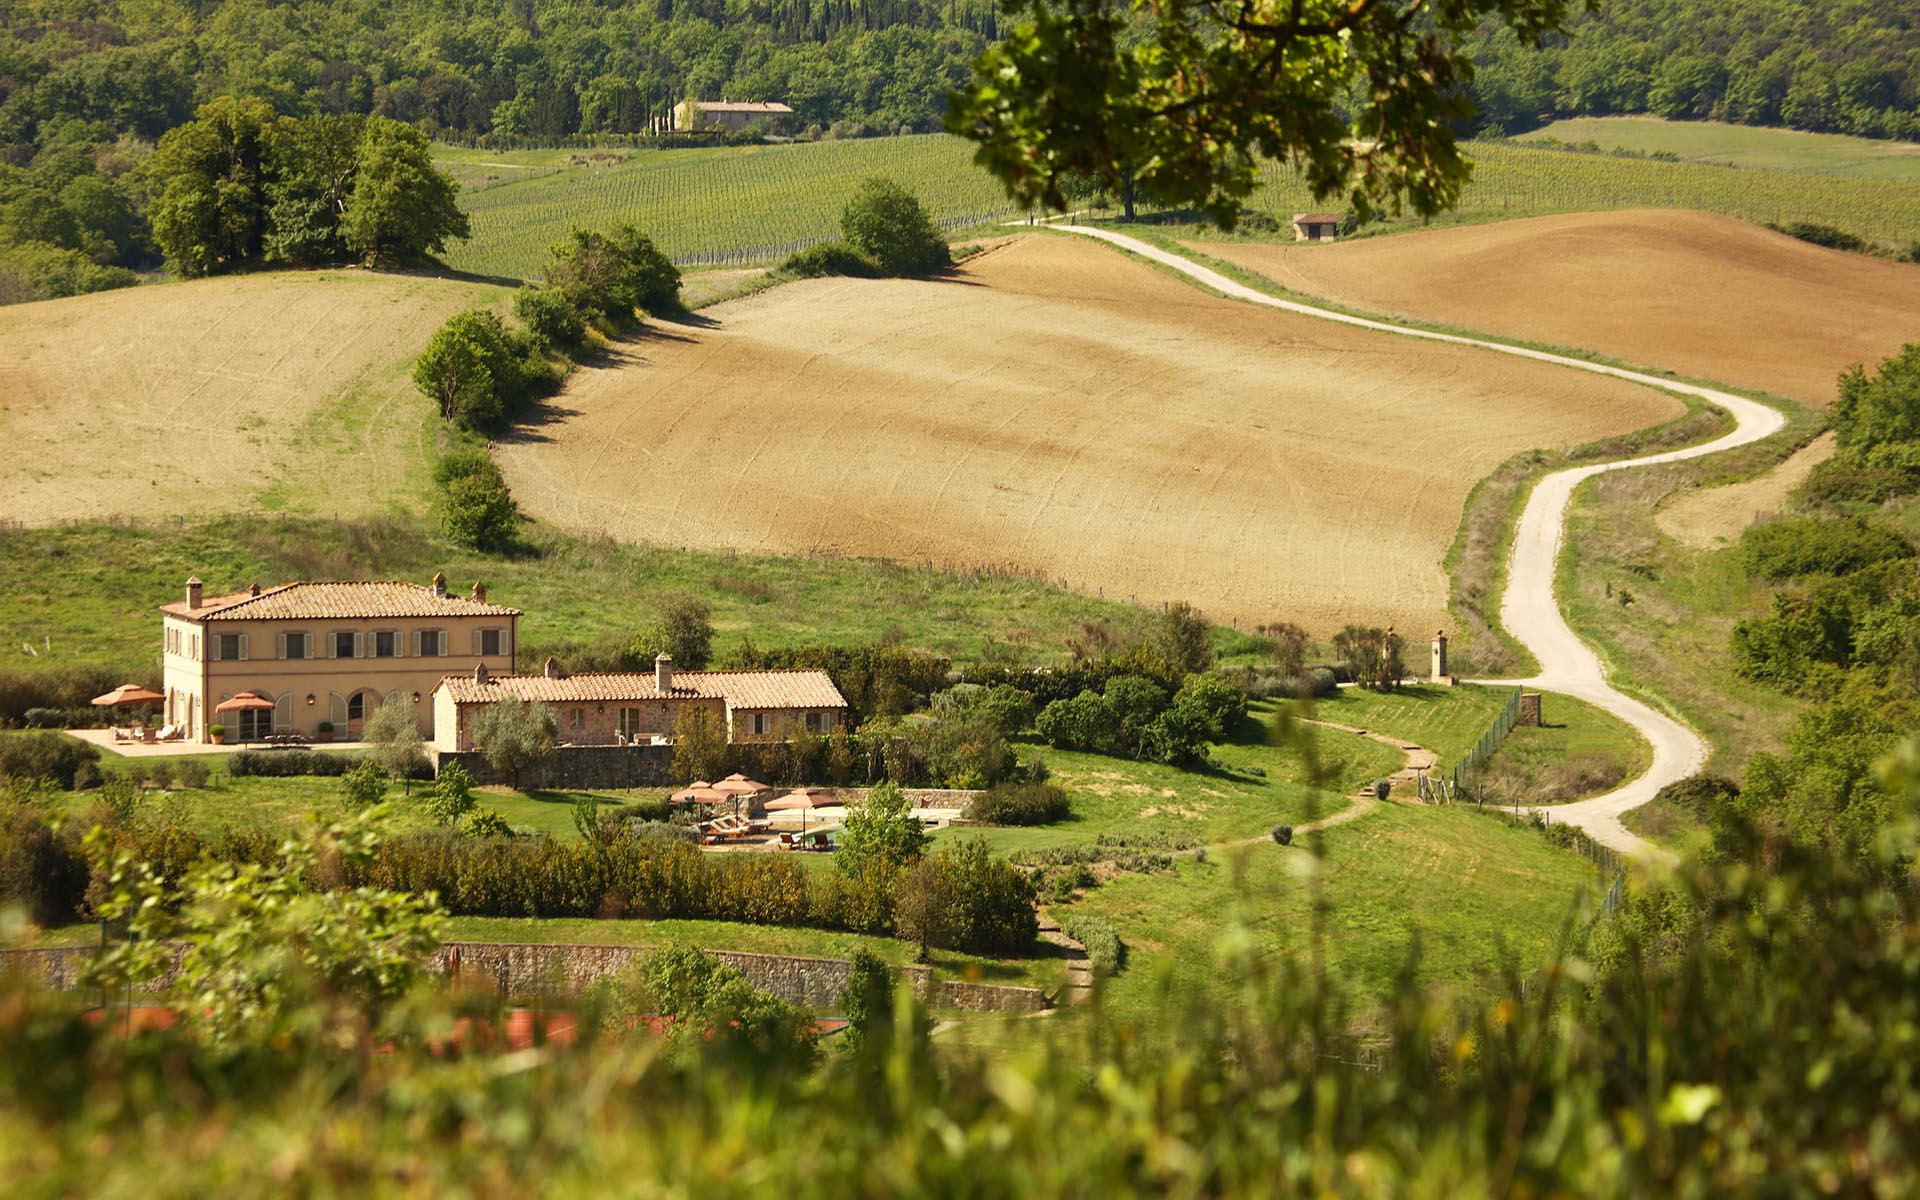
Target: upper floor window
x,y
385,645
813,722
489,642
429,640
344,644
293,645
759,722
229,646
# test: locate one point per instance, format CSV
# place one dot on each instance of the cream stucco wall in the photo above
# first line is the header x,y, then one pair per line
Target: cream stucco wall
x,y
320,687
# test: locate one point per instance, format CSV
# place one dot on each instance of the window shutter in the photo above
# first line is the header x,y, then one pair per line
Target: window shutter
x,y
243,647
416,643
444,647
476,643
359,645
280,645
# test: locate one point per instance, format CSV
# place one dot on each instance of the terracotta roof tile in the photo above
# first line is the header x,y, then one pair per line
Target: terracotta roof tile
x,y
351,600
741,689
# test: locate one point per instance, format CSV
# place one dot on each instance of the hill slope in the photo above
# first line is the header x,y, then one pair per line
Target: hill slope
x,y
284,391
1689,292
1061,409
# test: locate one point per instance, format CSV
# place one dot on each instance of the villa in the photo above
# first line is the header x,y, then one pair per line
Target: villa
x,y
643,709
323,652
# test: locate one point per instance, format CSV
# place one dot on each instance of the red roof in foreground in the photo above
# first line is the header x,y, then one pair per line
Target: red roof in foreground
x,y
742,689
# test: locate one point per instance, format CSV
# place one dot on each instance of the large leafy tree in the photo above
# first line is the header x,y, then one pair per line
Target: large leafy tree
x,y
209,182
1180,100
889,223
314,175
402,208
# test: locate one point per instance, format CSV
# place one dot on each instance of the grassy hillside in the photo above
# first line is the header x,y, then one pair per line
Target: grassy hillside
x,y
1740,145
736,205
1512,179
286,391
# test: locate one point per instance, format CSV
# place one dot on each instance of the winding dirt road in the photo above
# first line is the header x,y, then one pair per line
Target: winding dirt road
x,y
1529,608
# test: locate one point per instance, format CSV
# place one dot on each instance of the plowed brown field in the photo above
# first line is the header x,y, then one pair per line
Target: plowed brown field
x,y
283,391
1060,408
1689,292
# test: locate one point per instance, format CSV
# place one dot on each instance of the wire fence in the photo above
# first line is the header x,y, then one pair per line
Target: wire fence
x,y
1454,785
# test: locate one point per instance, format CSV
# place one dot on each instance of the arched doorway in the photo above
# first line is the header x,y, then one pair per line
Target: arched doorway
x,y
360,706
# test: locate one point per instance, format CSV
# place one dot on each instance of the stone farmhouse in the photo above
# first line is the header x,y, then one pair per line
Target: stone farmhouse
x,y
642,709
329,652
730,115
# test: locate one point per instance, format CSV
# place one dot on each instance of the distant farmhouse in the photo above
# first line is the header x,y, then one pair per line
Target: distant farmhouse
x,y
730,115
331,652
277,662
642,709
1316,227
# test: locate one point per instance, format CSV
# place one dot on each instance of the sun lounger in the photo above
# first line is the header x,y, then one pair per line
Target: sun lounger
x,y
787,842
820,842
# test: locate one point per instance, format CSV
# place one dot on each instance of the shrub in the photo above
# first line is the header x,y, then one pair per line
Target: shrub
x,y
1283,834
886,222
476,508
1798,546
1105,951
1840,481
487,823
1086,722
1821,235
1382,788
366,784
1019,804
285,763
1699,795
191,773
1215,699
216,731
880,828
158,774
549,316
990,904
43,870
611,275
45,755
451,796
832,258
866,999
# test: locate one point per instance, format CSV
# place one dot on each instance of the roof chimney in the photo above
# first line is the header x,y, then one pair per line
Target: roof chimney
x,y
439,585
480,673
193,592
253,590
479,591
663,673
553,669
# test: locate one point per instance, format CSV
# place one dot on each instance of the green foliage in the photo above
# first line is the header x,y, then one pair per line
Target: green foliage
x,y
880,829
290,762
550,317
1879,412
45,754
1019,804
1699,795
392,737
38,271
1186,637
885,222
1006,709
682,628
515,735
365,785
699,746
1105,951
477,372
1797,546
1086,722
867,1001
1825,793
451,796
711,1011
401,210
264,958
487,823
476,509
239,185
1823,235
610,276
832,258
1373,656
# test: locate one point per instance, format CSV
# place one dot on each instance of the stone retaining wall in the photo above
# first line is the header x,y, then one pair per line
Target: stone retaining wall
x,y
527,969
605,767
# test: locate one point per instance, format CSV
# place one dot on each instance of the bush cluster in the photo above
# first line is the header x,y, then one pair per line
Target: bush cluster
x,y
280,764
832,258
475,507
479,373
1020,804
67,688
1105,951
1798,546
1133,717
887,224
43,754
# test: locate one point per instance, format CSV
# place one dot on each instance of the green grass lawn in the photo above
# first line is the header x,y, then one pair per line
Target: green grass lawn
x,y
1446,720
738,205
1468,890
1741,145
1578,751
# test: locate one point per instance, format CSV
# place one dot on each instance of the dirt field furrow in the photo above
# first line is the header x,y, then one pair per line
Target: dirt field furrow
x,y
1058,408
1689,292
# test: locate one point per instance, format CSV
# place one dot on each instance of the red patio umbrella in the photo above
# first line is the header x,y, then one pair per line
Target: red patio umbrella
x,y
129,695
800,800
699,793
244,702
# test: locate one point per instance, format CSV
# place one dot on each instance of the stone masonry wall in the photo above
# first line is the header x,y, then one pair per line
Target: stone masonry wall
x,y
526,969
606,767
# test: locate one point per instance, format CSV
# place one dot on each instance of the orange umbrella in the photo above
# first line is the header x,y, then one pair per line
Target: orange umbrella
x,y
699,793
128,693
800,800
737,784
244,702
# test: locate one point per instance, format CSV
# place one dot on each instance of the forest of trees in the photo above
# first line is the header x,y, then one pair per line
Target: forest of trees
x,y
87,87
